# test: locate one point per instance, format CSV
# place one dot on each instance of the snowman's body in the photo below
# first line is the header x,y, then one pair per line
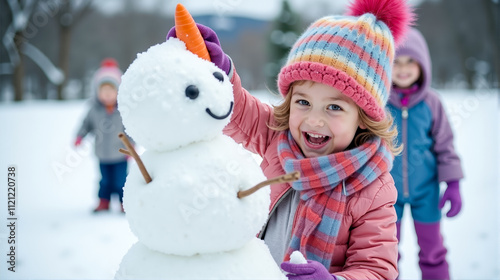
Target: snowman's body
x,y
189,221
252,261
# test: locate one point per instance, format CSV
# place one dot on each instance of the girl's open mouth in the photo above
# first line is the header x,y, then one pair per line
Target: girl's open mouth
x,y
316,141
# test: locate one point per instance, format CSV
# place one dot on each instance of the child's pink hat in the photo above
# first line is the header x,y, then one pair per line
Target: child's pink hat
x,y
108,73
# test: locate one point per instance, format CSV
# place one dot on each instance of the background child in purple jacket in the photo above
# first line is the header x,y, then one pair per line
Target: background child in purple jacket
x,y
428,156
104,121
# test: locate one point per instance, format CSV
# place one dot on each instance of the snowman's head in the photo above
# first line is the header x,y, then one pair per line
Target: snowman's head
x,y
169,98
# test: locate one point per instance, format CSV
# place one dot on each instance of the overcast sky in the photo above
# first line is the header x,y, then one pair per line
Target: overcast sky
x,y
260,9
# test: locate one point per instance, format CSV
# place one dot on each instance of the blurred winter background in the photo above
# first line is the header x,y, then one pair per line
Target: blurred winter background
x,y
50,49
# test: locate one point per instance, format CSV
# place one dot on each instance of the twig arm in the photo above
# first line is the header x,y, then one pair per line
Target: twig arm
x,y
290,177
123,151
131,152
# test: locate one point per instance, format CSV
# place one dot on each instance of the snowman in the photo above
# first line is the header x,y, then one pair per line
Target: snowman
x,y
189,221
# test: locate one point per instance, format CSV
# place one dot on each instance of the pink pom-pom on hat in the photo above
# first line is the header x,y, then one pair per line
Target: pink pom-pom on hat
x,y
109,62
395,14
352,53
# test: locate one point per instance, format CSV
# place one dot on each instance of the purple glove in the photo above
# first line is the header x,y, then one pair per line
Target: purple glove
x,y
217,55
312,270
452,194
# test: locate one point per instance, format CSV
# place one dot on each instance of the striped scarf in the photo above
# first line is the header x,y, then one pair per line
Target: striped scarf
x,y
325,183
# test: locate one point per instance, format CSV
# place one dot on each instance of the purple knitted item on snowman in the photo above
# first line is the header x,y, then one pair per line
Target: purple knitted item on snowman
x,y
217,55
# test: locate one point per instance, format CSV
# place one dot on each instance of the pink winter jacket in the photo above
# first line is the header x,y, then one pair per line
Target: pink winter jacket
x,y
366,245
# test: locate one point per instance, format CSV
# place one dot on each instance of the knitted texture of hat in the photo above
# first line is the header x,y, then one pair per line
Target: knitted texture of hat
x,y
108,73
352,53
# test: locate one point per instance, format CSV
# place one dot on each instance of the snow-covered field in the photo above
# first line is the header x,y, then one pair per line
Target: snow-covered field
x,y
57,236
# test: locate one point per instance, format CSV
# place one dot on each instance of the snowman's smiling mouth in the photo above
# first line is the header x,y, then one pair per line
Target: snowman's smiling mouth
x,y
220,117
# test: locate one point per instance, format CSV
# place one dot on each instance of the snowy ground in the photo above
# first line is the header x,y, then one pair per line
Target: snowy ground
x,y
57,236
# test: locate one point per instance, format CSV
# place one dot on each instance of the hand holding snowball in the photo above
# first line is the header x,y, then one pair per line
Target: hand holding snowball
x,y
298,268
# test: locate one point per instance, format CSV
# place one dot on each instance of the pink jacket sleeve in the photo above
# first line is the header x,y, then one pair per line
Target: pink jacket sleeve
x,y
248,125
373,246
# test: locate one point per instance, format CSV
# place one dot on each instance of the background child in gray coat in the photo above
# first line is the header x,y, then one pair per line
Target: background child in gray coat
x,y
104,121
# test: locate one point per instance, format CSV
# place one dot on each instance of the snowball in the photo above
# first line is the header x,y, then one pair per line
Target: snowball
x,y
191,206
156,109
253,261
297,258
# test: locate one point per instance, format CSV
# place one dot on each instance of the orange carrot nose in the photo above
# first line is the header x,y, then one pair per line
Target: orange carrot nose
x,y
187,31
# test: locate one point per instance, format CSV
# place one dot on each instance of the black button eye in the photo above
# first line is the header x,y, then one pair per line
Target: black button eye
x,y
219,76
192,92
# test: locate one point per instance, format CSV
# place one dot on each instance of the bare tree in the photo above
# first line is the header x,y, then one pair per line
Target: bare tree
x,y
27,17
13,42
70,14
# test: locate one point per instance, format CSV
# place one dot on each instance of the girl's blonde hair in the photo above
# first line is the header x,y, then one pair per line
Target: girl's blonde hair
x,y
383,129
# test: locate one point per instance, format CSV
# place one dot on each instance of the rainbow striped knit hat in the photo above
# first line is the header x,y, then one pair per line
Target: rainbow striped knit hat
x,y
352,53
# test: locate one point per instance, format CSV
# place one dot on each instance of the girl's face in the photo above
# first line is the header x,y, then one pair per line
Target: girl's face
x,y
322,119
107,94
406,71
